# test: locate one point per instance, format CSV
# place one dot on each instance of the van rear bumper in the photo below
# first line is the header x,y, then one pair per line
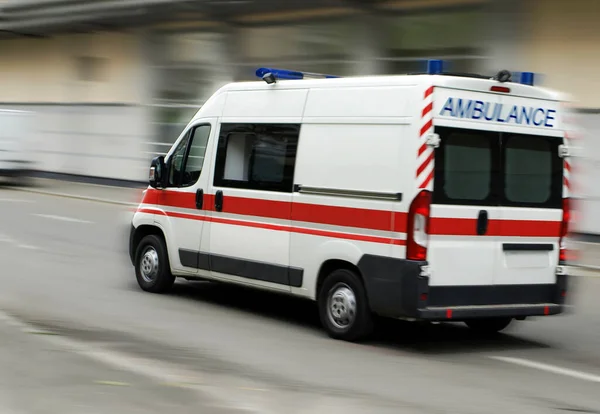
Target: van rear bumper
x,y
400,288
471,312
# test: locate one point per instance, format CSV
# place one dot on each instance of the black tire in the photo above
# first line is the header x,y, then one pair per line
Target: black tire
x,y
361,324
160,279
488,325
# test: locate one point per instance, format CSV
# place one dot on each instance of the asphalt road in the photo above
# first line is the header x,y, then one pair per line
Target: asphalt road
x,y
64,268
49,376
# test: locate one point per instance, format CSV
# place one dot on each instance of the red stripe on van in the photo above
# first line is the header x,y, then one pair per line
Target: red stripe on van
x,y
425,164
149,197
170,198
428,91
506,228
342,216
278,227
530,228
252,206
426,127
285,210
173,214
427,180
348,236
428,108
314,232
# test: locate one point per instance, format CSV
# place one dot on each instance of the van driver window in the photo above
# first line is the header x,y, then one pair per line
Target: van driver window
x,y
188,158
176,162
195,158
257,156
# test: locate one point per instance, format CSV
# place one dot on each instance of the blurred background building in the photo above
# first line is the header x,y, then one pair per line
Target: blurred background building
x,y
112,82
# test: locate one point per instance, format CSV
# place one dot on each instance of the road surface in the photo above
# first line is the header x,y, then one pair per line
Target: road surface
x,y
65,270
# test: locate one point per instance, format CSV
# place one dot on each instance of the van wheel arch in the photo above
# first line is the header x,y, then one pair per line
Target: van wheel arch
x,y
143,231
334,264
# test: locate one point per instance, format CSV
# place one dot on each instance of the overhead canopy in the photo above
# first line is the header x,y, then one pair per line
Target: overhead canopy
x,y
43,17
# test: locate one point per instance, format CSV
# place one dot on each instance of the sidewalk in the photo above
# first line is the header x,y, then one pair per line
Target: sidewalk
x,y
92,192
588,254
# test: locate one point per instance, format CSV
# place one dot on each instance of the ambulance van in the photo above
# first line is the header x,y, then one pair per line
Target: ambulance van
x,y
424,197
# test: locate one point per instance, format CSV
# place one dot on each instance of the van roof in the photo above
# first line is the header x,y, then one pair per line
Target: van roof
x,y
445,81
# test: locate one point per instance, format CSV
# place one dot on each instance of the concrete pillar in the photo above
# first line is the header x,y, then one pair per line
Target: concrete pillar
x,y
367,46
152,48
226,57
149,80
504,26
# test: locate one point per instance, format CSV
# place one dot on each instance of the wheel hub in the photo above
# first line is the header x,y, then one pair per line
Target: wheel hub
x,y
149,264
342,306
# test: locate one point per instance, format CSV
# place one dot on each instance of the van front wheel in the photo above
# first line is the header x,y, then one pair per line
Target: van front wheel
x,y
152,268
343,306
488,325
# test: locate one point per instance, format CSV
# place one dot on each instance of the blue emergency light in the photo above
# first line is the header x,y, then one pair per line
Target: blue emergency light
x,y
289,74
435,67
526,78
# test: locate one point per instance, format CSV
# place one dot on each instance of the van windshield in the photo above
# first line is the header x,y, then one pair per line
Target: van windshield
x,y
490,168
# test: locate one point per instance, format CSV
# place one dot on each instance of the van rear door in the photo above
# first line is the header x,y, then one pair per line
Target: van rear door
x,y
463,237
531,185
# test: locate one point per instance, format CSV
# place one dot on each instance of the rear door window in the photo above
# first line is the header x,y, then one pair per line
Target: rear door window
x,y
466,165
532,171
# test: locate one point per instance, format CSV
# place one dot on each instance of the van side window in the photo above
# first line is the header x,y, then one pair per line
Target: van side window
x,y
257,156
188,158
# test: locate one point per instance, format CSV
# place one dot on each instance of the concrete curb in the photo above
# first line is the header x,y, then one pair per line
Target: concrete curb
x,y
587,267
86,179
77,197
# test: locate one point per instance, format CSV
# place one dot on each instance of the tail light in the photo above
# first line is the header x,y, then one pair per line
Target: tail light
x,y
564,229
418,227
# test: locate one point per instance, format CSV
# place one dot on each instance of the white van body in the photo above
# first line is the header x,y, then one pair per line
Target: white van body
x,y
15,133
428,197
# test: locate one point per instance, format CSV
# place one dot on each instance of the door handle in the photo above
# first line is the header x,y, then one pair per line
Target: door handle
x,y
199,198
219,200
482,222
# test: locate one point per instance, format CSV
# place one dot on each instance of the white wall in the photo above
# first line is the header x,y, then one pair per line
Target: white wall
x,y
561,42
86,122
48,70
100,141
586,173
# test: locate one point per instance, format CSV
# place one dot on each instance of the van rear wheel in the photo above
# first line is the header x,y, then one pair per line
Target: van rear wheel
x,y
152,269
343,306
488,325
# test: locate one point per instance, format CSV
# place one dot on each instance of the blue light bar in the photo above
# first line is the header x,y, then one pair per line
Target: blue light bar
x,y
527,78
435,66
290,74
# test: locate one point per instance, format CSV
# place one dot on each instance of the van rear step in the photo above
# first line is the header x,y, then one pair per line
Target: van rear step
x,y
487,311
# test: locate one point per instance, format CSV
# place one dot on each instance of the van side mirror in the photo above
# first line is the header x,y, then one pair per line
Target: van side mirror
x,y
157,172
